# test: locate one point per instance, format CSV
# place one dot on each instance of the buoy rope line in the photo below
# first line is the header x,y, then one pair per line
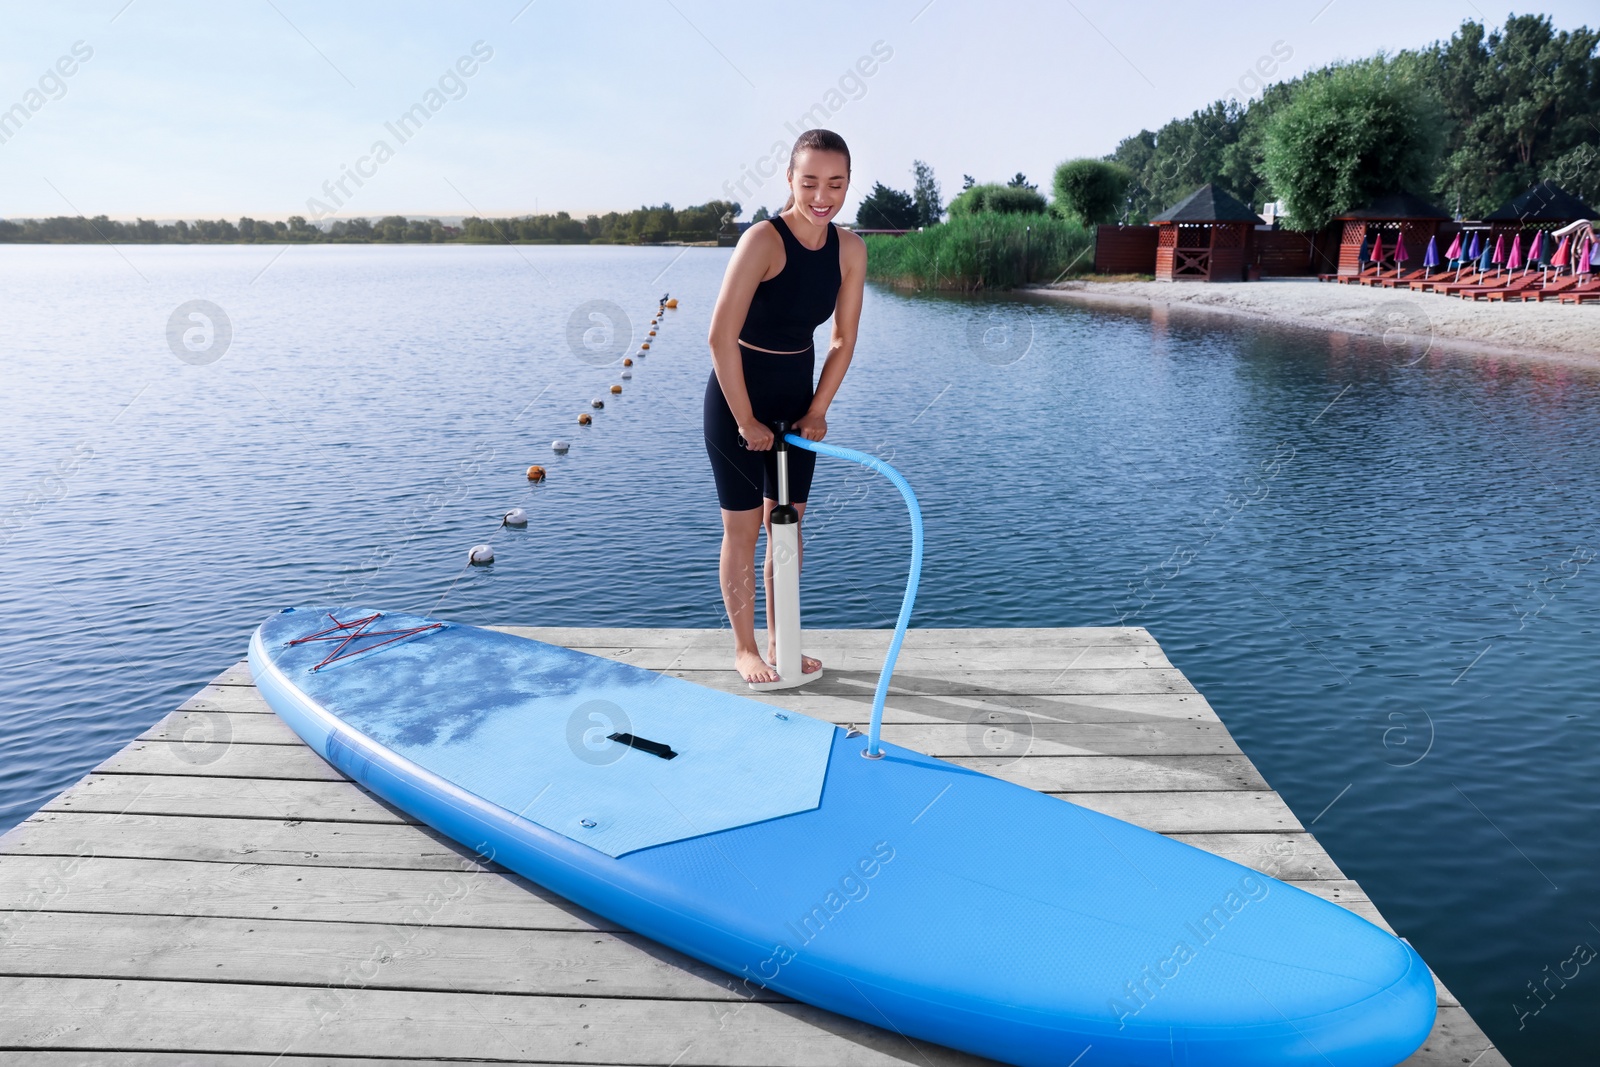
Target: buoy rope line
x,y
483,553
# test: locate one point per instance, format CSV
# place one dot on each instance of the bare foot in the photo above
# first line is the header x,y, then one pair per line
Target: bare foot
x,y
752,668
808,665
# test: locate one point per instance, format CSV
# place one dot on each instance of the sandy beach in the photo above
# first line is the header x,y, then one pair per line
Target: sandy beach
x,y
1550,330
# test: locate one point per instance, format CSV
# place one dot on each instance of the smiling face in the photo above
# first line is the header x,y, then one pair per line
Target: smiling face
x,y
819,180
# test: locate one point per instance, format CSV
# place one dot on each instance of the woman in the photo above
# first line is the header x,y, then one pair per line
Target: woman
x,y
788,274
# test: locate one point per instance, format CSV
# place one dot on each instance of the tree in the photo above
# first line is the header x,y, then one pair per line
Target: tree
x,y
1514,101
887,209
997,199
1091,190
761,214
1181,156
1364,130
967,182
1020,181
1578,172
925,194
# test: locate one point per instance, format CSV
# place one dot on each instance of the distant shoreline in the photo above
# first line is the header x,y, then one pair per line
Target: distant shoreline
x,y
1548,331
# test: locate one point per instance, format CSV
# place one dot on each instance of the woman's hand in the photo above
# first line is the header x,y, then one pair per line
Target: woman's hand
x,y
757,435
813,426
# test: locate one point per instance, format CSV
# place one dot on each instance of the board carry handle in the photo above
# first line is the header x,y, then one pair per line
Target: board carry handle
x,y
872,750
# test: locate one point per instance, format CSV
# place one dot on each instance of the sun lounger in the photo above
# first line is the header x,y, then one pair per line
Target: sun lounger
x,y
1582,294
1554,287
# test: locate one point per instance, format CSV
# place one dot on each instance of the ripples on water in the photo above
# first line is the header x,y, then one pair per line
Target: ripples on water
x,y
1380,572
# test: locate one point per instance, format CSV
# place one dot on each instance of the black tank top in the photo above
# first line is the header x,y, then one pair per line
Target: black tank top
x,y
788,306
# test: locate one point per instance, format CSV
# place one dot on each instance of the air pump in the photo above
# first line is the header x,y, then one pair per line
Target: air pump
x,y
783,537
786,577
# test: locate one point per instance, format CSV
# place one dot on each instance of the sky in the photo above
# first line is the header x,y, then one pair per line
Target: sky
x,y
267,108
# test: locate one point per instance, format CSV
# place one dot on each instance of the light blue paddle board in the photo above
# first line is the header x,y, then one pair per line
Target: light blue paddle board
x,y
906,892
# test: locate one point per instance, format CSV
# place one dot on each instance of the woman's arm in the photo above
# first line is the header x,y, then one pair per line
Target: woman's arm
x,y
813,426
753,257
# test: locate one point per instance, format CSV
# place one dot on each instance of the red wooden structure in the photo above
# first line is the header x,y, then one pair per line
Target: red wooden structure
x,y
1546,207
1389,217
1124,249
1205,237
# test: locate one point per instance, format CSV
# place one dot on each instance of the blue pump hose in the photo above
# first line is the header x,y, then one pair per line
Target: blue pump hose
x,y
911,579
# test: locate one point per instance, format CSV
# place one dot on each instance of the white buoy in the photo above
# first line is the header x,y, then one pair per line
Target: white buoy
x,y
627,375
516,517
480,555
597,403
561,446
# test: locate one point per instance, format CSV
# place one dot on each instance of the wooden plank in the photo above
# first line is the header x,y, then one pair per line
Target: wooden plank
x,y
220,760
238,674
855,704
232,840
432,955
275,840
986,732
60,1058
1094,774
94,1013
1292,857
850,658
235,697
1225,811
1456,1041
239,728
1044,773
429,955
286,800
998,735
248,798
481,898
1044,637
973,682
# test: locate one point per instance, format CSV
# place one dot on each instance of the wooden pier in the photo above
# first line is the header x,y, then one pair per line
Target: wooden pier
x,y
215,893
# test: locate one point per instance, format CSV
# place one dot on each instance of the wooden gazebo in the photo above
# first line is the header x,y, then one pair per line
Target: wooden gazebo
x,y
1546,207
1204,237
1388,216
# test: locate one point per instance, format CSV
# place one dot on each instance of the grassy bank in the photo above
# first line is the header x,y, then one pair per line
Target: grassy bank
x,y
985,251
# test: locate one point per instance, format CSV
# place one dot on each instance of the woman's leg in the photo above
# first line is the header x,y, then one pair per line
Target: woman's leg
x,y
737,569
738,473
808,665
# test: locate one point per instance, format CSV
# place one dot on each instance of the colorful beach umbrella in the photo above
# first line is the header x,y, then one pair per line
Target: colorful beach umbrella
x,y
1430,258
1455,248
1366,248
1563,255
1377,248
1400,253
1515,259
1536,252
1594,253
1473,249
1584,258
1499,250
1486,259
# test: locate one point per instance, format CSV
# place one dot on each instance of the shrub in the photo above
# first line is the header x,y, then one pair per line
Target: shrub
x,y
987,250
1091,190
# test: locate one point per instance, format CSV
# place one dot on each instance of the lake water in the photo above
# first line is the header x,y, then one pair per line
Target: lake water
x,y
1376,563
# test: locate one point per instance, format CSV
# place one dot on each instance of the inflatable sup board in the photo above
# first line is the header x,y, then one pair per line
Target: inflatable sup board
x,y
903,891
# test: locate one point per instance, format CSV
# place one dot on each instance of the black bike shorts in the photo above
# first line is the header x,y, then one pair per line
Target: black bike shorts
x,y
780,387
